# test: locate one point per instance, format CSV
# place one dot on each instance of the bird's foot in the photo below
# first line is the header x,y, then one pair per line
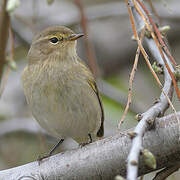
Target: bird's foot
x,y
40,158
83,144
86,143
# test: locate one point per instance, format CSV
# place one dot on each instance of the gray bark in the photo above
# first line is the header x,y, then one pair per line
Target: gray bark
x,y
105,158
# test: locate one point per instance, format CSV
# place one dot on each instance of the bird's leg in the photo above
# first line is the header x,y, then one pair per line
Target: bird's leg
x,y
55,147
85,143
90,138
52,150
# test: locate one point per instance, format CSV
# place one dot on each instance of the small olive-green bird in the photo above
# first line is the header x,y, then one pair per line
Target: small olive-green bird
x,y
60,89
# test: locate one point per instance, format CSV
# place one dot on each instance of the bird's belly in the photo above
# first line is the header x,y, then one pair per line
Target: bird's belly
x,y
69,112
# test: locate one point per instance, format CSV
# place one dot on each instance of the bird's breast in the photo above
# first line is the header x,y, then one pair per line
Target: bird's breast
x,y
62,102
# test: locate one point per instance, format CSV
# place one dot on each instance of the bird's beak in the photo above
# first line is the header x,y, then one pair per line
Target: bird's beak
x,y
73,37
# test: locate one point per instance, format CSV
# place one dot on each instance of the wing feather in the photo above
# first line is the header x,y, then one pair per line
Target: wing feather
x,y
92,84
100,132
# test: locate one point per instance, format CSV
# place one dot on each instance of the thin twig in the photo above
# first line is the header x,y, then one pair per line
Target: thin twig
x,y
166,172
162,55
7,69
4,27
4,80
163,45
154,10
89,48
141,47
131,79
158,108
157,33
146,57
12,43
167,65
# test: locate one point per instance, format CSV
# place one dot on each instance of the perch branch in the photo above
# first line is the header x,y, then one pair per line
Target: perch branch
x,y
106,158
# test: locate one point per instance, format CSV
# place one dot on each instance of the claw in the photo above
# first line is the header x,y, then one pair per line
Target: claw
x,y
83,144
86,143
39,159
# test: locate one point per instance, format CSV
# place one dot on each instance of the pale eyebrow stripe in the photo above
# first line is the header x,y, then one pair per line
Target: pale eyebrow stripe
x,y
49,37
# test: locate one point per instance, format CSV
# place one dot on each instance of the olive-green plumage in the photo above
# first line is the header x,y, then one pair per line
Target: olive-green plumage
x,y
60,89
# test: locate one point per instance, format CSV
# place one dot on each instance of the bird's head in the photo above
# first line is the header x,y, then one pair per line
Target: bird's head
x,y
58,41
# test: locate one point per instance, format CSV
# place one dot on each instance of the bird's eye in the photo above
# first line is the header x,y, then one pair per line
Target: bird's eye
x,y
54,40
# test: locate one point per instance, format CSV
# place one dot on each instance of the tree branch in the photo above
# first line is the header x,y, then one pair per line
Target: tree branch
x,y
24,124
161,105
106,158
4,27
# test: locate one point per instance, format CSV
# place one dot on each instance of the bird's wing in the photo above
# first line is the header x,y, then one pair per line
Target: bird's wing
x,y
100,132
93,85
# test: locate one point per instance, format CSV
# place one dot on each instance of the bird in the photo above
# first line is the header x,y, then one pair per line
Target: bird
x,y
60,88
